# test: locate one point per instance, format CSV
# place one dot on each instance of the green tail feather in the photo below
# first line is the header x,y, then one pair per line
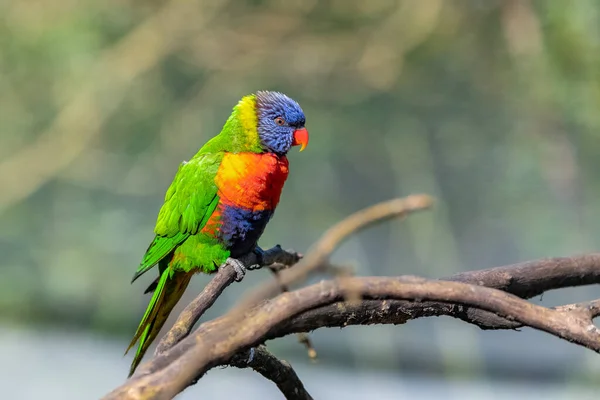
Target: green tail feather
x,y
169,289
157,251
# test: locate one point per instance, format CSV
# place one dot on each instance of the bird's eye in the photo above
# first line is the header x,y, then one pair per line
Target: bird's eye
x,y
280,121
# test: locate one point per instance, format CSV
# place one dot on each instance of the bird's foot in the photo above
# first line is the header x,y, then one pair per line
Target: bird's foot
x,y
260,254
238,267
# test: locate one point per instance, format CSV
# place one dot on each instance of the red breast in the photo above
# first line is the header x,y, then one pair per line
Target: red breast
x,y
251,181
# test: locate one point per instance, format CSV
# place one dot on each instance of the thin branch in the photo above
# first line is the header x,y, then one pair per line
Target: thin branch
x,y
223,278
215,342
278,371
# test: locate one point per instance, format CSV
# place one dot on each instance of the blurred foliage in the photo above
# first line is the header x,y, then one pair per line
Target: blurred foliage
x,y
491,106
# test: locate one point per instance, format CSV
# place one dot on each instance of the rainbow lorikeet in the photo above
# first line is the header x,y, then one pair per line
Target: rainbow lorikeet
x,y
219,203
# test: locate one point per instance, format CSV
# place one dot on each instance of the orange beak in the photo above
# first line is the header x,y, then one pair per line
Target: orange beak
x,y
300,138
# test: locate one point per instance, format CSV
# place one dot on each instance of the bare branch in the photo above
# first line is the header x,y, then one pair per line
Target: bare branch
x,y
525,280
278,371
215,342
390,311
223,278
318,255
279,260
490,299
587,309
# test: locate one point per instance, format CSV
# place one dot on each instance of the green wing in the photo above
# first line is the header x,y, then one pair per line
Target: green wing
x,y
189,203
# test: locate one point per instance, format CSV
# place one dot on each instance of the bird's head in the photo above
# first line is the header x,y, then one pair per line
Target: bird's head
x,y
280,122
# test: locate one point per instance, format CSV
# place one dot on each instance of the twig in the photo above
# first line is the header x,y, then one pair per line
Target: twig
x,y
215,342
278,371
304,339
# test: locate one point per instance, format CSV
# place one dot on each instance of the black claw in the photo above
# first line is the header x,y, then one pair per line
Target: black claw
x,y
260,257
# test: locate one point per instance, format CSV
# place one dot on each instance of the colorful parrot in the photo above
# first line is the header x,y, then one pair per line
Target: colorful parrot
x,y
219,203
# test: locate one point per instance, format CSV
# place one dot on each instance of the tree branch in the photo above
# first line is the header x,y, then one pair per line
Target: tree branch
x,y
524,280
223,278
215,342
527,280
490,299
395,312
318,256
281,259
278,371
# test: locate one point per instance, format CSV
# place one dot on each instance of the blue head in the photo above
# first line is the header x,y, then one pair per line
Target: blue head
x,y
280,122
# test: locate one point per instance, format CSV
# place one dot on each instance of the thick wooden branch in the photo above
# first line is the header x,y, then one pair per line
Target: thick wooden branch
x,y
277,371
215,342
395,312
525,280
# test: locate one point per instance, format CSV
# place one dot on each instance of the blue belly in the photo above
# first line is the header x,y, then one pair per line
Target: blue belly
x,y
241,228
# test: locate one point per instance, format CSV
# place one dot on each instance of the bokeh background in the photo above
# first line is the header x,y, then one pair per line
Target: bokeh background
x,y
490,106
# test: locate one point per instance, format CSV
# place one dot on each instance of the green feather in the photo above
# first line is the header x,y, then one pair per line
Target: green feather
x,y
191,198
189,203
159,248
169,289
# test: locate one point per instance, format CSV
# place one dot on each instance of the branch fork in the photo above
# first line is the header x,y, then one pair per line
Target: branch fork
x,y
494,298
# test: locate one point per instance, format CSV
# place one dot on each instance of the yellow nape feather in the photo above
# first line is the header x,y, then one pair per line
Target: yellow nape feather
x,y
247,116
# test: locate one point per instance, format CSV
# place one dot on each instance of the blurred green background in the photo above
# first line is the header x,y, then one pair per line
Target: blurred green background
x,y
490,106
